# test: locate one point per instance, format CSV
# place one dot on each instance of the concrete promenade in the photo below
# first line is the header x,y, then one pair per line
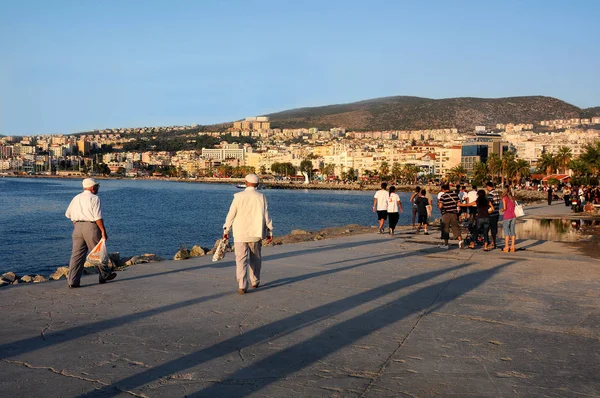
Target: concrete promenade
x,y
365,315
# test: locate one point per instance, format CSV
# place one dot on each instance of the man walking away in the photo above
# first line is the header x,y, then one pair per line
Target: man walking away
x,y
380,205
423,209
249,217
448,204
85,211
494,197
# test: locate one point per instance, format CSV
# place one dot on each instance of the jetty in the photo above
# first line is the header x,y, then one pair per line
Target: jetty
x,y
364,315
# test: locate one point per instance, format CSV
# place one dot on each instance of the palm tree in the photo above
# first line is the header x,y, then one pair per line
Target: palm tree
x,y
522,169
457,173
546,163
396,170
580,167
410,172
328,170
494,164
591,156
481,173
508,166
384,169
563,157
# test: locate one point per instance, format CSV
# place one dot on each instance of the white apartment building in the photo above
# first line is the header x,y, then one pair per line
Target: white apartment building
x,y
223,153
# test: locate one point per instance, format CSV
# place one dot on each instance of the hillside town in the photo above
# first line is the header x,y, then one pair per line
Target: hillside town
x,y
326,155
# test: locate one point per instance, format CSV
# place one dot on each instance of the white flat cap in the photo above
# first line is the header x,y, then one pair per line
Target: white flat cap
x,y
252,178
88,183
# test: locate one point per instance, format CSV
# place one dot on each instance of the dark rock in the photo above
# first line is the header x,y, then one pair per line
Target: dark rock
x,y
182,254
144,258
115,258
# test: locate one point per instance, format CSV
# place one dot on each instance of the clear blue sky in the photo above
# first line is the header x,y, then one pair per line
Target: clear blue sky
x,y
68,66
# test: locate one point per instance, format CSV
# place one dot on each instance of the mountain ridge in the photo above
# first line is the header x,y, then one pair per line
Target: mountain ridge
x,y
409,112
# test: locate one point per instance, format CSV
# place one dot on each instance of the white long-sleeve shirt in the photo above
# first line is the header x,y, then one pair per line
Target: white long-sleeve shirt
x,y
249,216
85,207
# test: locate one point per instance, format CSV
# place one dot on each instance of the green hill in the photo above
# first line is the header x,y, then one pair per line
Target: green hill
x,y
391,113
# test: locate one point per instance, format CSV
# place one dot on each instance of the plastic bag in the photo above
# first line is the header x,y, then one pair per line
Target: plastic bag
x,y
220,251
519,212
99,254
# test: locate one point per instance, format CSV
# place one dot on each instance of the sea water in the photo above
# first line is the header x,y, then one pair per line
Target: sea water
x,y
158,217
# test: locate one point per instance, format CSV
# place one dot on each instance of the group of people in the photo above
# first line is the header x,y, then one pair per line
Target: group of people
x,y
248,218
479,210
387,205
579,196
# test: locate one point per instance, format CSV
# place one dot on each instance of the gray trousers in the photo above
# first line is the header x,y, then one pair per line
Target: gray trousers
x,y
85,236
247,253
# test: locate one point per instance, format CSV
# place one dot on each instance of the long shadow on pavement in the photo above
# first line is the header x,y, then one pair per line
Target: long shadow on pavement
x,y
292,359
277,256
35,343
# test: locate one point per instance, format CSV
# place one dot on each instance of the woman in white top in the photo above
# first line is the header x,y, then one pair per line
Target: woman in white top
x,y
394,206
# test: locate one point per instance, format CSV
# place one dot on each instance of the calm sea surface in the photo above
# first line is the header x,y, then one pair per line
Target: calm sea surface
x,y
153,217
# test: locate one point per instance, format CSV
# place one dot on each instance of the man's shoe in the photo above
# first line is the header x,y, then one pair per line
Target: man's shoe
x,y
255,286
74,286
242,291
443,246
112,276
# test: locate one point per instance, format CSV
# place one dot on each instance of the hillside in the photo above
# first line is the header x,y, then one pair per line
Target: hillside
x,y
591,112
402,112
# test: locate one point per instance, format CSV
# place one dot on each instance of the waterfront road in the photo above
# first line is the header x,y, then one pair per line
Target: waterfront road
x,y
366,315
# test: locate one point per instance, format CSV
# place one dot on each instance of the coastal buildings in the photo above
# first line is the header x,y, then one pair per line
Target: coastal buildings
x,y
433,152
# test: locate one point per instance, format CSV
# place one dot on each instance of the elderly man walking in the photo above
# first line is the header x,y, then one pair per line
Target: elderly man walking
x,y
85,211
249,217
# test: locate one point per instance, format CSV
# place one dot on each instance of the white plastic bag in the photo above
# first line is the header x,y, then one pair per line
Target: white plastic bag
x,y
99,254
519,212
220,251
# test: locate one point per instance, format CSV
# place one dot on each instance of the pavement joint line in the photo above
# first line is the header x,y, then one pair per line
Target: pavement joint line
x,y
421,316
67,374
486,320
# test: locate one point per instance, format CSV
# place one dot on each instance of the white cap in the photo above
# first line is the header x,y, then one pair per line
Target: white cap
x,y
88,183
252,178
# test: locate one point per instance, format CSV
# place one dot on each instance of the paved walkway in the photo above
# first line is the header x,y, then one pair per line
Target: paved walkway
x,y
366,315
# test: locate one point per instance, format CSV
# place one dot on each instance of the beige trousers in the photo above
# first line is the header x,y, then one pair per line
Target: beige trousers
x,y
85,236
247,253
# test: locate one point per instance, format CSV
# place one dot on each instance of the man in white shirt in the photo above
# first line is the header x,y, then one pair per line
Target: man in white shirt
x,y
249,217
85,211
380,205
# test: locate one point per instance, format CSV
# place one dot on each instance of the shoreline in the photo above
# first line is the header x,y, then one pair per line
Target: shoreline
x,y
584,247
525,196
